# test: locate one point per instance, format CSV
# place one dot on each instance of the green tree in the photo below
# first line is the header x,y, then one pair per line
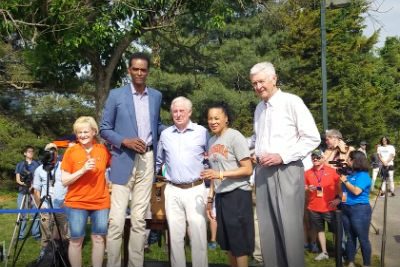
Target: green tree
x,y
207,64
354,71
66,35
390,81
13,138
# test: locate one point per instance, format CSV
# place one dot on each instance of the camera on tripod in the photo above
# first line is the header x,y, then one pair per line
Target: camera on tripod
x,y
49,159
26,177
342,167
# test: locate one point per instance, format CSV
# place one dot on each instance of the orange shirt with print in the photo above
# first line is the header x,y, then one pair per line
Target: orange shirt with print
x,y
90,191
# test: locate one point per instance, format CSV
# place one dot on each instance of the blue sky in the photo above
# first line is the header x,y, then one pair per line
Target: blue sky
x,y
384,15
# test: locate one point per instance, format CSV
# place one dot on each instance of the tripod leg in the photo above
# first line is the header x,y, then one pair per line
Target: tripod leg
x,y
17,228
35,231
376,200
17,253
58,250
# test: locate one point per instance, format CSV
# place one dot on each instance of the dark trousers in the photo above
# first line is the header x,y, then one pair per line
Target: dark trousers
x,y
356,221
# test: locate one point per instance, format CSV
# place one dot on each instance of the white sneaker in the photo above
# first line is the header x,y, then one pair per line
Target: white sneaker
x,y
322,256
351,264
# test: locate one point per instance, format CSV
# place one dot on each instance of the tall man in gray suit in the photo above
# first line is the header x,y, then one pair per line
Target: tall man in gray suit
x,y
285,132
131,124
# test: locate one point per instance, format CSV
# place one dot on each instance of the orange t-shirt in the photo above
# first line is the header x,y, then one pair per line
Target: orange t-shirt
x,y
328,179
90,191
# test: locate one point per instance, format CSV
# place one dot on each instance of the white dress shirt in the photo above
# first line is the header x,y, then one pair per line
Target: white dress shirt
x,y
284,125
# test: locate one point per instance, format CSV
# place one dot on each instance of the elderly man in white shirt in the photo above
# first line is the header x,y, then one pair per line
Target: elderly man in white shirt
x,y
285,133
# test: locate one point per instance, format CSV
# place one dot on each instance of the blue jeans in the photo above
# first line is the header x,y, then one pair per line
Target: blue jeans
x,y
356,221
77,219
35,231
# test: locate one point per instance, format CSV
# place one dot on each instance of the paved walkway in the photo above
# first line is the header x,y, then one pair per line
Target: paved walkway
x,y
392,252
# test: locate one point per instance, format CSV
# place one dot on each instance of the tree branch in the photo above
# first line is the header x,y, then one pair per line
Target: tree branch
x,y
20,85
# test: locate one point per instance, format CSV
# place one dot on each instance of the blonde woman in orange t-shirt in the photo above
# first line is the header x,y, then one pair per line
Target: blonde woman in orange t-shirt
x,y
83,171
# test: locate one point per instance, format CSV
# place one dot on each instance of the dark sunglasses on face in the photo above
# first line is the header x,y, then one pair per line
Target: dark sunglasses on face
x,y
315,158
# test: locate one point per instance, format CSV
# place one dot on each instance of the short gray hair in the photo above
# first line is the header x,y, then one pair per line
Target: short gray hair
x,y
184,100
333,133
266,67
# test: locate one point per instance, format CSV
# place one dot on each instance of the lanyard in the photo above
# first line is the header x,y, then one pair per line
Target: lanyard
x,y
319,178
55,169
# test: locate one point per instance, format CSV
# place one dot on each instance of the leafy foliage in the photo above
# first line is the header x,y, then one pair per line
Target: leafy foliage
x,y
66,35
204,50
13,138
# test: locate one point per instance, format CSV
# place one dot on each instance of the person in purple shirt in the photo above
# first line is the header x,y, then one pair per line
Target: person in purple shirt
x,y
181,148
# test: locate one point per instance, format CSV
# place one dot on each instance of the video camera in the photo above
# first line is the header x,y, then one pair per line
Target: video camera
x,y
49,160
26,176
341,166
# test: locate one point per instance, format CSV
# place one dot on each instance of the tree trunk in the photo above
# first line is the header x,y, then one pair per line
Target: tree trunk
x,y
103,81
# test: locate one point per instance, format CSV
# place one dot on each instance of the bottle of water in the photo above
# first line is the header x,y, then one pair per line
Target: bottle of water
x,y
206,163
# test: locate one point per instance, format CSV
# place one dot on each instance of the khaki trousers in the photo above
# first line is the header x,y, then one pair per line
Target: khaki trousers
x,y
48,227
187,206
139,187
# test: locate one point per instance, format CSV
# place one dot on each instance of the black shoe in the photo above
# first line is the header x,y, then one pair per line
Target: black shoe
x,y
314,248
392,194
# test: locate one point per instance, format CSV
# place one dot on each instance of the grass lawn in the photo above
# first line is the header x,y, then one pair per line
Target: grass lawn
x,y
157,253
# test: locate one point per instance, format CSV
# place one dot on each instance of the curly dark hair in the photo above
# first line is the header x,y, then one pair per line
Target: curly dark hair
x,y
224,107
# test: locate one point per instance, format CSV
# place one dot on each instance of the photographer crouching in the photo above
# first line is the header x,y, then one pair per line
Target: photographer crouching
x,y
50,165
24,176
356,184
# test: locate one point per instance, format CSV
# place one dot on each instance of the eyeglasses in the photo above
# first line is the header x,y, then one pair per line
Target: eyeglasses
x,y
315,158
138,69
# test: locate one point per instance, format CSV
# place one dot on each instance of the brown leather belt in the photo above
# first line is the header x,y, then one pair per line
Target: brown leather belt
x,y
149,148
188,185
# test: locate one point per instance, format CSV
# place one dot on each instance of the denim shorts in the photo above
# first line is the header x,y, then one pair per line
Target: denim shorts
x,y
77,220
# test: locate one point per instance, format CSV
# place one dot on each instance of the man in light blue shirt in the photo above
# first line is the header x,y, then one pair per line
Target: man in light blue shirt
x,y
181,148
56,191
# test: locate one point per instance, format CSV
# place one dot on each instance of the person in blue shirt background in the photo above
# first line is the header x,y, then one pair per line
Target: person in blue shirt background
x,y
356,208
24,176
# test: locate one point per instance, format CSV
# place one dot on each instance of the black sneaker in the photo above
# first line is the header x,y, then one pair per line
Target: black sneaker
x,y
314,248
392,194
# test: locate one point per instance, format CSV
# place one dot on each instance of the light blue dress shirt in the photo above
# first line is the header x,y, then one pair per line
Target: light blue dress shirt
x,y
57,192
182,152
